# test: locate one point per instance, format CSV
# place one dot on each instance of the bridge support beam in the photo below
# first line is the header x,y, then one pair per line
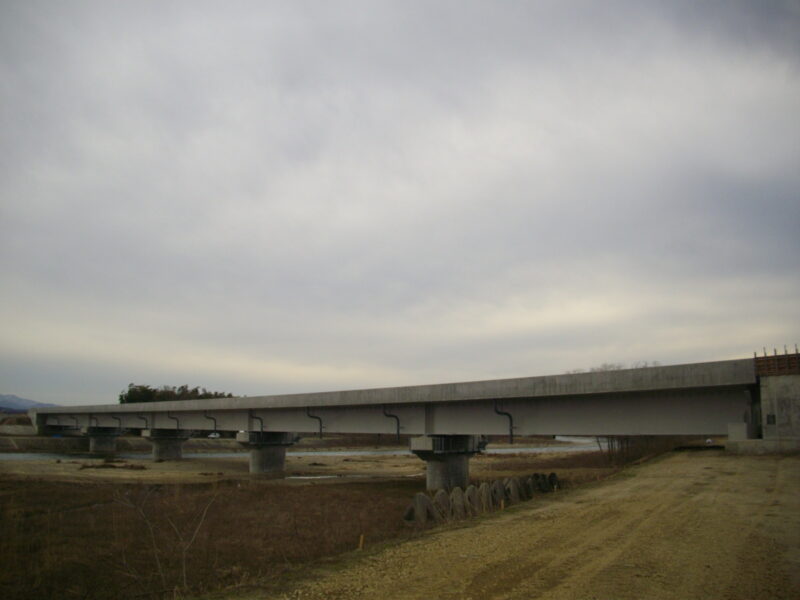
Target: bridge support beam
x,y
267,450
447,459
167,443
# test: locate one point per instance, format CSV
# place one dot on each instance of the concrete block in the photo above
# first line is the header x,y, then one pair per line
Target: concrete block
x,y
498,491
441,501
458,506
472,500
512,490
421,511
530,487
485,497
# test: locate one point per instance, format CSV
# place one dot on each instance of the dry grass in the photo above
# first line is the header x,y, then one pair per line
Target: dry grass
x,y
528,463
572,469
61,540
122,540
578,467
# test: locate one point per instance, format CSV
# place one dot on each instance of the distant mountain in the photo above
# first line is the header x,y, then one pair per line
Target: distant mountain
x,y
12,403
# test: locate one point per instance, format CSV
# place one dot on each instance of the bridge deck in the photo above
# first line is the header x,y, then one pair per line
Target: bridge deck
x,y
699,398
673,377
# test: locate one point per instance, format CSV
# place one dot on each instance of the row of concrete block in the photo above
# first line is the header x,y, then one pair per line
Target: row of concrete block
x,y
488,496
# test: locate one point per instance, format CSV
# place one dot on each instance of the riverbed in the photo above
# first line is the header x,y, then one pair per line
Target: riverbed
x,y
581,446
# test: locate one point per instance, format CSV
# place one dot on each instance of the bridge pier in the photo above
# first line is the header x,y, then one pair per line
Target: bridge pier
x,y
447,459
267,449
102,440
167,443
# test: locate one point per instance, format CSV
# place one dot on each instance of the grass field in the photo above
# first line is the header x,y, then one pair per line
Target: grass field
x,y
63,540
111,538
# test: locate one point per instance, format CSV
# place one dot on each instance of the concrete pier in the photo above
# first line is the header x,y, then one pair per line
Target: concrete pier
x,y
102,440
267,459
167,443
103,444
447,459
447,472
267,450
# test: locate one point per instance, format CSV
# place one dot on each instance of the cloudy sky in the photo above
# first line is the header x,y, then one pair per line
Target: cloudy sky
x,y
264,197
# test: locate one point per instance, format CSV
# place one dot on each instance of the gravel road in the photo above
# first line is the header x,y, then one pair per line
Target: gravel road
x,y
700,525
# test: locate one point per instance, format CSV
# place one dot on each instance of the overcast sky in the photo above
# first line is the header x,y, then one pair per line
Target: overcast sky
x,y
263,197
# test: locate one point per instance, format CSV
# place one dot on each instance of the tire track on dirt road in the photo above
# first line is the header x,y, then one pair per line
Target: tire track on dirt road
x,y
688,525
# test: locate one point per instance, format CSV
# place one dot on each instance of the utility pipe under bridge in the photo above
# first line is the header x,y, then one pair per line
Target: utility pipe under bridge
x,y
450,418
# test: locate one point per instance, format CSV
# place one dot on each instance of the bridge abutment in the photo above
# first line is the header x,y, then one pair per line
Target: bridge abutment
x,y
447,459
267,450
167,443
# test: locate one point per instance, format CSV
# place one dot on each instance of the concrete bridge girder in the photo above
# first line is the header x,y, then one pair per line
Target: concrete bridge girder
x,y
675,412
696,399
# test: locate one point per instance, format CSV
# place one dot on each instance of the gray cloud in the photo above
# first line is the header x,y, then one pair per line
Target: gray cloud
x,y
271,197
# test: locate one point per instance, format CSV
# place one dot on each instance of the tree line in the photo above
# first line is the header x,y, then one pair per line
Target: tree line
x,y
146,393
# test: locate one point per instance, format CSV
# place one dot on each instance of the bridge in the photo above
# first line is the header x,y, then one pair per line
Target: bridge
x,y
448,420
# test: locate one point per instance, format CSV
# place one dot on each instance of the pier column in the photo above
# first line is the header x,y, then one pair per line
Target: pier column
x,y
267,449
447,459
102,440
167,443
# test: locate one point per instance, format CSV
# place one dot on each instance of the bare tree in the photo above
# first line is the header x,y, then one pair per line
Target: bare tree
x,y
641,364
185,543
607,367
615,366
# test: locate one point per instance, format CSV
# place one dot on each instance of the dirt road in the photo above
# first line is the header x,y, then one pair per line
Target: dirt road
x,y
689,525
